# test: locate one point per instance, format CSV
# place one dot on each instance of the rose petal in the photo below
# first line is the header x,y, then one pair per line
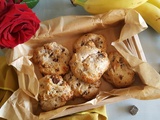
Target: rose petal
x,y
21,25
3,5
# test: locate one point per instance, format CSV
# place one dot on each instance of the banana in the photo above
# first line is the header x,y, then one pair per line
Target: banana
x,y
151,15
101,6
155,2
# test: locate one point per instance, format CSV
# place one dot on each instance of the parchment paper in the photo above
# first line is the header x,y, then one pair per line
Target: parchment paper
x,y
116,26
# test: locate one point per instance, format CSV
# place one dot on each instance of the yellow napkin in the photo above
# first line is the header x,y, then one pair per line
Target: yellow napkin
x,y
8,80
93,114
9,83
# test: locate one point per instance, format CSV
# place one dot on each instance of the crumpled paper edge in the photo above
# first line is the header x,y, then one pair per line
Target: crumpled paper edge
x,y
139,26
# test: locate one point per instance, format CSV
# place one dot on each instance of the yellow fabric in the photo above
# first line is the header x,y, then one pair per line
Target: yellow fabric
x,y
93,114
9,83
8,80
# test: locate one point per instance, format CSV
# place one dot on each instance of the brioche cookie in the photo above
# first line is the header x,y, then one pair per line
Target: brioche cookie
x,y
89,63
80,88
52,58
53,92
86,40
119,72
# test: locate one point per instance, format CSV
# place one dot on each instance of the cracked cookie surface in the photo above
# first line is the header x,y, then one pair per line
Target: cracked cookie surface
x,y
81,88
119,72
52,58
89,63
53,92
91,38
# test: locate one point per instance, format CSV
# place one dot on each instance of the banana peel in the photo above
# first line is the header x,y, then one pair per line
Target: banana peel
x,y
149,9
151,15
102,6
155,2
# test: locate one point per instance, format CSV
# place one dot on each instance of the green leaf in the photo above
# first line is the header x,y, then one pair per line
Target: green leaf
x,y
30,3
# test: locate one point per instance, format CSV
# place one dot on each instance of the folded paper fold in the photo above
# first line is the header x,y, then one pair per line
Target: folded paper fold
x,y
117,26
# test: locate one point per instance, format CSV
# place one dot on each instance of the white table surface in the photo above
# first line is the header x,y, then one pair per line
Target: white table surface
x,y
150,40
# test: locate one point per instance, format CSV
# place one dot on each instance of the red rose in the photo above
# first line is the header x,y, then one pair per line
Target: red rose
x,y
3,5
17,25
17,1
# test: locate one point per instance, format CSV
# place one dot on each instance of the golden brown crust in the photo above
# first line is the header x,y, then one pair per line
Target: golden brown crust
x,y
52,58
119,72
91,38
53,92
89,63
87,66
80,88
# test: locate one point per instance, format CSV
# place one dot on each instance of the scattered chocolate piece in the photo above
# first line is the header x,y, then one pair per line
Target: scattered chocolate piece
x,y
133,110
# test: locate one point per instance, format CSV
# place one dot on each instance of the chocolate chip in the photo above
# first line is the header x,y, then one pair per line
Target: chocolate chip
x,y
78,84
55,59
56,69
133,110
63,49
84,93
101,54
51,54
82,43
55,80
120,77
